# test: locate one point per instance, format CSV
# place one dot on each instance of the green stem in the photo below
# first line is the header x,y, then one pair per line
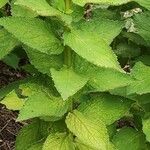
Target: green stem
x,y
68,5
67,52
68,57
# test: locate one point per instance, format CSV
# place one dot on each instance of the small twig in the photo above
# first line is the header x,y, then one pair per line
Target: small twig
x,y
5,126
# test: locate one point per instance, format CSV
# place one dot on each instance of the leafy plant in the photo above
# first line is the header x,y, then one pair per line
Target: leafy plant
x,y
89,82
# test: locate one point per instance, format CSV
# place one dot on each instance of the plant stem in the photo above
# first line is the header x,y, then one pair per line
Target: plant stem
x,y
68,57
68,4
68,52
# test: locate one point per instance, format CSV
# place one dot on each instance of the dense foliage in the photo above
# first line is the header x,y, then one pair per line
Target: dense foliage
x,y
88,86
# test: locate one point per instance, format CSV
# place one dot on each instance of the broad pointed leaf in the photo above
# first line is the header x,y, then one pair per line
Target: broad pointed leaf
x,y
102,2
127,50
33,32
144,3
3,2
128,138
42,8
67,82
12,60
101,79
12,101
142,74
37,146
59,141
42,104
105,107
28,136
92,48
43,62
7,43
142,25
146,128
82,146
21,11
103,27
93,134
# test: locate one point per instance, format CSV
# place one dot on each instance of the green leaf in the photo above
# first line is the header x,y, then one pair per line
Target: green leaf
x,y
78,13
44,9
144,59
144,3
67,82
98,77
12,60
28,136
105,107
37,146
102,27
141,73
135,38
107,79
146,128
82,146
12,101
58,4
44,62
92,48
93,134
143,101
10,87
59,141
101,2
47,128
33,32
43,104
3,2
21,11
142,25
29,88
7,43
128,138
126,50
100,13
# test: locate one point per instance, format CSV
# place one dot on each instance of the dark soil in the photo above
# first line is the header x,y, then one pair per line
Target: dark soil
x,y
8,126
8,74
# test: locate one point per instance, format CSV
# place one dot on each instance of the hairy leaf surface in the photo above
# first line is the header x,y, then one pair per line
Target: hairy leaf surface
x,y
43,62
67,82
33,32
101,79
28,136
142,74
105,107
102,27
3,2
12,101
37,146
7,43
128,138
43,104
146,128
89,132
42,8
61,141
92,48
144,3
102,2
142,25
